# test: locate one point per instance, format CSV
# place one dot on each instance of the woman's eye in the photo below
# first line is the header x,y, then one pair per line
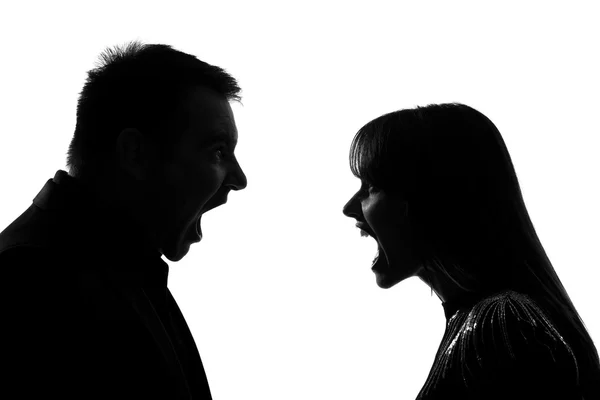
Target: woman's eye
x,y
372,189
366,190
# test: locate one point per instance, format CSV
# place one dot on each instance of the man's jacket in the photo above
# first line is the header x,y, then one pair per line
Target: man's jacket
x,y
85,308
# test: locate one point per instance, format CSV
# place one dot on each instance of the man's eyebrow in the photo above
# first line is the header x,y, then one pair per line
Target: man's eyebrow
x,y
218,136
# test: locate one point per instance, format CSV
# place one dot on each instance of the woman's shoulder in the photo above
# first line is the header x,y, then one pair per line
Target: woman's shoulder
x,y
508,305
510,321
506,342
508,296
516,300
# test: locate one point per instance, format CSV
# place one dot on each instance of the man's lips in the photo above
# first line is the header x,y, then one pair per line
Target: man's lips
x,y
198,229
214,204
197,225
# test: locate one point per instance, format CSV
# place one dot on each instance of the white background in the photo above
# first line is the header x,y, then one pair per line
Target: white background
x,y
279,294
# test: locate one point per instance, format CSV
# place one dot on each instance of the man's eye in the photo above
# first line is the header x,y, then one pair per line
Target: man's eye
x,y
219,152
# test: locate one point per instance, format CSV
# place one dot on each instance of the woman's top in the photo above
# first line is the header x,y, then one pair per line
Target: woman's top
x,y
501,347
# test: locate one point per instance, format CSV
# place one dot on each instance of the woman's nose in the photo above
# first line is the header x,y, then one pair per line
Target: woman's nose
x,y
350,209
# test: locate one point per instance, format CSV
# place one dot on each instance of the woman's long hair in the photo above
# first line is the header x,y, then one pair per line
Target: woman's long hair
x,y
469,221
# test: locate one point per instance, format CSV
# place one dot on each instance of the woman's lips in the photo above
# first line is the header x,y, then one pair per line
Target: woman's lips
x,y
380,262
376,258
364,231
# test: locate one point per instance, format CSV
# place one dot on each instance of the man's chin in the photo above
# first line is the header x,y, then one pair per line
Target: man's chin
x,y
177,252
174,258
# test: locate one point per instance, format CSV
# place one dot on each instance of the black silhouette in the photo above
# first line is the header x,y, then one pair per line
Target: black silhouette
x,y
440,196
87,311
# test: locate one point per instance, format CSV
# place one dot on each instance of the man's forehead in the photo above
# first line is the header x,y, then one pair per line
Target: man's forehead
x,y
228,134
200,97
221,124
211,113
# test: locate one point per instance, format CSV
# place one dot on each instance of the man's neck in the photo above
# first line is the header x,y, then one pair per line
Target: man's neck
x,y
117,193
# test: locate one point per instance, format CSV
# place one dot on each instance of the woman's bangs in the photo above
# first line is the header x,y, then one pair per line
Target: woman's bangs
x,y
365,153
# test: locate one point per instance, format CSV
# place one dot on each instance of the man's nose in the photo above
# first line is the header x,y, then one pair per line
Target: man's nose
x,y
237,177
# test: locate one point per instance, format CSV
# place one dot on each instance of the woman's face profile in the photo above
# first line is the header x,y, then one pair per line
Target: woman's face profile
x,y
384,218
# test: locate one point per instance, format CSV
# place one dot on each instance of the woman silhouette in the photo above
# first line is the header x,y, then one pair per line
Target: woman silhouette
x,y
440,196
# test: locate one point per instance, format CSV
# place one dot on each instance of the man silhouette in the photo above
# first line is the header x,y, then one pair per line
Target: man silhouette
x,y
87,311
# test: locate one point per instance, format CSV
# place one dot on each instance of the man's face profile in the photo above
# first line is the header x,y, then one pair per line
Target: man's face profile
x,y
198,177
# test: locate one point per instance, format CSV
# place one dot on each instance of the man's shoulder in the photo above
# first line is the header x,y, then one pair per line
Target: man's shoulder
x,y
52,278
35,232
34,263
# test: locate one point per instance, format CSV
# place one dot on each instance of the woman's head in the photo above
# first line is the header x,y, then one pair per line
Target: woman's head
x,y
440,195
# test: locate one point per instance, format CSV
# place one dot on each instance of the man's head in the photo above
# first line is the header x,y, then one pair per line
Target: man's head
x,y
156,135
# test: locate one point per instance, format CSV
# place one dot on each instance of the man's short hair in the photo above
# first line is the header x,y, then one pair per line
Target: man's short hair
x,y
142,86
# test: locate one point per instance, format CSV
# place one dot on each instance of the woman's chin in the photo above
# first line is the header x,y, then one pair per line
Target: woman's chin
x,y
384,281
385,276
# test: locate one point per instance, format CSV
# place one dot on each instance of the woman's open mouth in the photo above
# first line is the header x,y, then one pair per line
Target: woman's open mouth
x,y
375,259
380,260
